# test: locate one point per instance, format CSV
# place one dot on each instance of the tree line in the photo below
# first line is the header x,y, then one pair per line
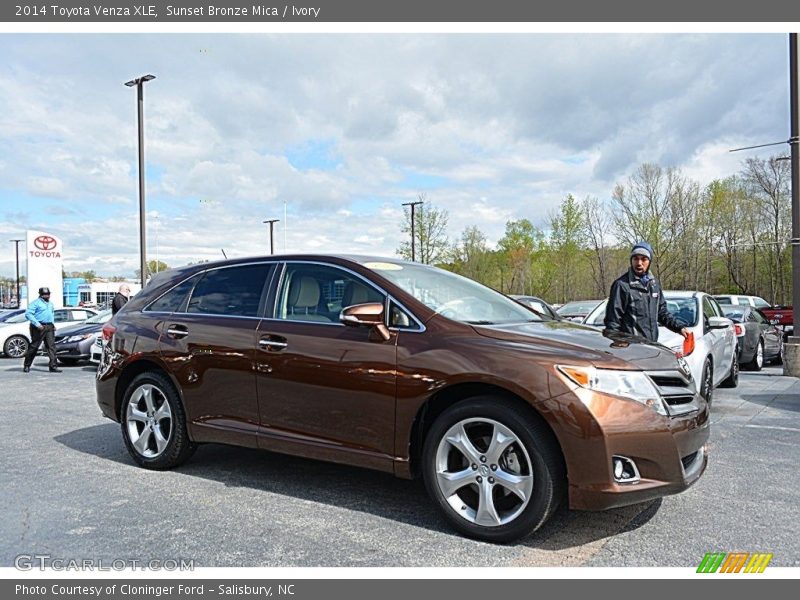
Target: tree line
x,y
728,236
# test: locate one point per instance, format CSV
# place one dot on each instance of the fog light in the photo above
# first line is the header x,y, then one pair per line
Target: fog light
x,y
625,470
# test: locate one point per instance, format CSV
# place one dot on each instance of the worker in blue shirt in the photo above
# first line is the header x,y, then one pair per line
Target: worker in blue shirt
x,y
40,313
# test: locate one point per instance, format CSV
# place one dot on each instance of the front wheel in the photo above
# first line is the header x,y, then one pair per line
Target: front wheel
x,y
154,423
494,470
707,382
16,346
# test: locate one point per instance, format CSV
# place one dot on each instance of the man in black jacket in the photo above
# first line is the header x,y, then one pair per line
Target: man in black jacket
x,y
636,304
121,298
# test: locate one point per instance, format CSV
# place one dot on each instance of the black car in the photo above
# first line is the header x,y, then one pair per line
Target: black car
x,y
537,304
759,341
74,343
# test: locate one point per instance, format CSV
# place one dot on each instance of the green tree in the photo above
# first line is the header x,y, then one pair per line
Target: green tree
x,y
566,243
430,234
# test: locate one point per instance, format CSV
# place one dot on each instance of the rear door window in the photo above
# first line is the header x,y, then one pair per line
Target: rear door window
x,y
175,299
233,291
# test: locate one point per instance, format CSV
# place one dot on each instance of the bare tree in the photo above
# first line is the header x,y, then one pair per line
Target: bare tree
x,y
597,225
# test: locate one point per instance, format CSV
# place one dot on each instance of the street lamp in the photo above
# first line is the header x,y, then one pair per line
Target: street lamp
x,y
413,244
16,249
271,224
139,83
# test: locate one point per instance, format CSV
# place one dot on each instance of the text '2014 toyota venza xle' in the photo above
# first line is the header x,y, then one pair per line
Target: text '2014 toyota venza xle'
x,y
403,368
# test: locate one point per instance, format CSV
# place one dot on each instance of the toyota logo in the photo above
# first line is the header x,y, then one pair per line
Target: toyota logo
x,y
45,242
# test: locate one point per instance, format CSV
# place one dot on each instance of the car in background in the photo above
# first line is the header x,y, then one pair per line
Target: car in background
x,y
759,341
15,334
713,360
10,314
537,304
740,299
577,310
74,343
407,369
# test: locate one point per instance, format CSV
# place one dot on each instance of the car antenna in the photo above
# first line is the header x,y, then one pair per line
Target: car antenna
x,y
223,253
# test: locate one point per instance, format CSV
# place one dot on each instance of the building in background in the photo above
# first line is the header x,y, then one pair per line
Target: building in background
x,y
71,293
100,293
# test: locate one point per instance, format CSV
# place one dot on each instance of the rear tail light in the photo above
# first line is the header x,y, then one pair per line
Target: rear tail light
x,y
108,331
739,330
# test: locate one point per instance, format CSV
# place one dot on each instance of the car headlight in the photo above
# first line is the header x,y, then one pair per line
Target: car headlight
x,y
78,338
632,385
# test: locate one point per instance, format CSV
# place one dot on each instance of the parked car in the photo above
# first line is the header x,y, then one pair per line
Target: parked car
x,y
15,333
759,341
74,343
782,317
577,310
96,350
740,299
403,368
537,304
713,359
10,314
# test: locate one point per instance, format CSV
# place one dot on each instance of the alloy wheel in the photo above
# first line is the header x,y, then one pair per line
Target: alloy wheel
x,y
148,419
484,472
760,355
16,347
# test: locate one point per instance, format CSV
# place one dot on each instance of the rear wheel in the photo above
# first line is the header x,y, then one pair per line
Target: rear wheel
x,y
494,470
758,358
732,380
154,423
16,346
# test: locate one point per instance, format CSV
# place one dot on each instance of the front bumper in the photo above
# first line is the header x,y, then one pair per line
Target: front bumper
x,y
670,452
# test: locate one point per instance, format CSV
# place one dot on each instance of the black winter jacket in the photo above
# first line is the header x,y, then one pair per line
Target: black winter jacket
x,y
118,302
638,309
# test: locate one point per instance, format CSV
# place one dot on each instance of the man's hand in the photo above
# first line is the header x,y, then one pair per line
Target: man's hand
x,y
40,327
685,332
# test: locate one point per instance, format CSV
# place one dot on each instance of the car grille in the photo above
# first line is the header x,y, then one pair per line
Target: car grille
x,y
674,387
688,460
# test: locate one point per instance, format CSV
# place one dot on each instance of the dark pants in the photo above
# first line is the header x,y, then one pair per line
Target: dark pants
x,y
46,335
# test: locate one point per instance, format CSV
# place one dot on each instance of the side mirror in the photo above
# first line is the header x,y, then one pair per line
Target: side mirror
x,y
719,323
366,315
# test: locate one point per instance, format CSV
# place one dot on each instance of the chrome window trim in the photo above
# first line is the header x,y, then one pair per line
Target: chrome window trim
x,y
203,272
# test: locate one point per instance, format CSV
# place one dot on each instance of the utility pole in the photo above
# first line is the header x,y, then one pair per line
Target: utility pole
x,y
791,363
139,83
16,250
413,235
271,225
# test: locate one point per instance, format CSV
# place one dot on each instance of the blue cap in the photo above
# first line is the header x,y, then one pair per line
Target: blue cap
x,y
642,249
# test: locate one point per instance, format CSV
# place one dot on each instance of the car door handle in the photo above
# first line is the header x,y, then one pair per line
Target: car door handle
x,y
177,331
273,343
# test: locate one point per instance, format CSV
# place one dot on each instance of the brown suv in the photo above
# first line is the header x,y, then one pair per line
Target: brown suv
x,y
403,368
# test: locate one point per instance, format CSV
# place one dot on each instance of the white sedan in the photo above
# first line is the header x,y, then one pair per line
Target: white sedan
x,y
15,336
713,359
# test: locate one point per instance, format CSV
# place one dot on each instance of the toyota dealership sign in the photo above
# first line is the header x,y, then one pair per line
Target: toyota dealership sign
x,y
44,254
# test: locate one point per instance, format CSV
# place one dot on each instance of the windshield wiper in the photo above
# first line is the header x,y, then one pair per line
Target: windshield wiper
x,y
480,322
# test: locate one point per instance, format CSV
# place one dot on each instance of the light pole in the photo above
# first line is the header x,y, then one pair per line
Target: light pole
x,y
271,225
16,251
413,243
139,83
792,350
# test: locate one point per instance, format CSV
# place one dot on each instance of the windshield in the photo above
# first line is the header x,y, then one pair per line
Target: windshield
x,y
100,317
761,303
580,307
734,313
17,319
453,296
684,309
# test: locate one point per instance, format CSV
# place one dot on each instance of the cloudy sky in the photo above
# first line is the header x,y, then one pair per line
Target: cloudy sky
x,y
344,128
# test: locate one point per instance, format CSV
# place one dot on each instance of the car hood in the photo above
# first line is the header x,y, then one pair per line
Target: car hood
x,y
79,329
580,342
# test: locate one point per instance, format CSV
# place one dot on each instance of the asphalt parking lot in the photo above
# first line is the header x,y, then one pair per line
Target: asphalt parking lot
x,y
70,490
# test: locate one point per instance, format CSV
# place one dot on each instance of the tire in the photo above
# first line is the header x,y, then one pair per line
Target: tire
x,y
154,429
707,382
732,380
16,346
757,361
68,362
482,504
